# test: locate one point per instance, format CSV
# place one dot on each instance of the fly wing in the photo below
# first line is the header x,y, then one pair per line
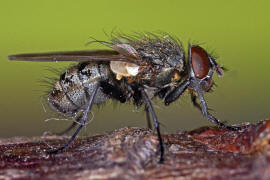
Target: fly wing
x,y
78,56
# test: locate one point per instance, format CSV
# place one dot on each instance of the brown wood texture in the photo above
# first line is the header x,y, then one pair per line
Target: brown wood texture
x,y
132,153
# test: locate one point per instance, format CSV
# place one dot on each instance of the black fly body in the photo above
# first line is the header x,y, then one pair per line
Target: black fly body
x,y
136,68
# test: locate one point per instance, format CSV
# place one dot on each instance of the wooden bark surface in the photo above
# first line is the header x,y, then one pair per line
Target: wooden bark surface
x,y
132,153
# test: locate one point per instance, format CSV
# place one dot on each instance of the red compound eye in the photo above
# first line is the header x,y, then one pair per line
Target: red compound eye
x,y
200,61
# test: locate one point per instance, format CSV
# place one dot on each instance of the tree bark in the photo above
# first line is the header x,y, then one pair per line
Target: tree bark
x,y
133,153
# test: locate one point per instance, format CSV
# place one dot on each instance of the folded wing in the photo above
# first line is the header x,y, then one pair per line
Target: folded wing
x,y
77,56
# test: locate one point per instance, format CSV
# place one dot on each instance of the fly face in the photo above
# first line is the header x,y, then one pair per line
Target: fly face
x,y
136,69
202,67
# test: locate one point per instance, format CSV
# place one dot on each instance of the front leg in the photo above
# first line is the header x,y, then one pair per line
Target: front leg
x,y
177,92
156,123
205,112
194,101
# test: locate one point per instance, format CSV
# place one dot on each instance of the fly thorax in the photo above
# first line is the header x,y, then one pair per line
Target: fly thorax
x,y
166,76
163,52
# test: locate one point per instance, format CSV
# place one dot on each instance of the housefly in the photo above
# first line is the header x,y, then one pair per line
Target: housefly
x,y
135,68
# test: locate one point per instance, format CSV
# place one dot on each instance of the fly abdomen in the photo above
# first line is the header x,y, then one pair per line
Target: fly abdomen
x,y
59,101
70,94
91,74
73,86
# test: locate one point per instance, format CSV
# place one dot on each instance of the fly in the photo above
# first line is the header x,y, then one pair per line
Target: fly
x,y
135,69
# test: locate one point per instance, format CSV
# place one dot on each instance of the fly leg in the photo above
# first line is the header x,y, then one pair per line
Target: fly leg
x,y
82,121
149,125
194,101
156,123
72,126
205,112
177,92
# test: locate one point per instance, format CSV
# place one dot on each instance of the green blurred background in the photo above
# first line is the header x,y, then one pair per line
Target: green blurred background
x,y
238,31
